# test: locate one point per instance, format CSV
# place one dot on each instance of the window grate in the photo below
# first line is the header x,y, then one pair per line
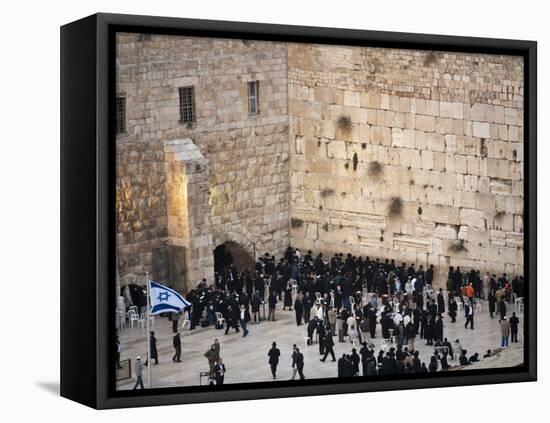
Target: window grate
x,y
187,104
253,97
120,115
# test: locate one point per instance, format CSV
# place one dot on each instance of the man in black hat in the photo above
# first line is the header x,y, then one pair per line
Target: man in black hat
x,y
274,354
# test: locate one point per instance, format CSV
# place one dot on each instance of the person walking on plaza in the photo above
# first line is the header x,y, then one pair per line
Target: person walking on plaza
x,y
176,341
244,317
299,309
297,363
329,346
272,303
514,322
453,308
255,305
440,302
139,373
287,300
502,308
219,372
492,299
469,312
274,354
175,319
504,331
234,316
153,347
300,363
212,355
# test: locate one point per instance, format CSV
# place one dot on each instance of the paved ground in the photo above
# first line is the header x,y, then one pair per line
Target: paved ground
x,y
246,358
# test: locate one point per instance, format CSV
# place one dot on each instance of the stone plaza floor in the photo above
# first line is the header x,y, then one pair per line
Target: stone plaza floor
x,y
246,358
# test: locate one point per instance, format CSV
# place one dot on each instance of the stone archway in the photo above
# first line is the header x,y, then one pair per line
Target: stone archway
x,y
241,249
231,253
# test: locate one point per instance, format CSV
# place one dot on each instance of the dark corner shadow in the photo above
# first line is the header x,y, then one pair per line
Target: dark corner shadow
x,y
51,387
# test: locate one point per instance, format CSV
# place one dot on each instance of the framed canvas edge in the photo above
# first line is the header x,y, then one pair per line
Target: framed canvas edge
x,y
107,23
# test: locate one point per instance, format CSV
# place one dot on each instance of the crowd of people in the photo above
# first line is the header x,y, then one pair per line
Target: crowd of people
x,y
355,300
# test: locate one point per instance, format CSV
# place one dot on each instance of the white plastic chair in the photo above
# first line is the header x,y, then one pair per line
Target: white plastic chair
x,y
459,304
294,285
518,302
185,323
132,317
142,320
479,306
219,319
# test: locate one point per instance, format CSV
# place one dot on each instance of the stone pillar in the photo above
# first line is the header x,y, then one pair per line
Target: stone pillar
x,y
188,209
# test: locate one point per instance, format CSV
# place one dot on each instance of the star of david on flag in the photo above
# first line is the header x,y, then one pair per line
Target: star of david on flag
x,y
164,299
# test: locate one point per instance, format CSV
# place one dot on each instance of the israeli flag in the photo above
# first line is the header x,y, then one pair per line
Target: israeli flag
x,y
164,299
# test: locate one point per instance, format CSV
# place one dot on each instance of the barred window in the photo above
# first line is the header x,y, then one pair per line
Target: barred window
x,y
187,104
120,115
253,97
144,37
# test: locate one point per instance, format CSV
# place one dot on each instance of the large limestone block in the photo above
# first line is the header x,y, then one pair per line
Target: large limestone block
x,y
472,217
398,138
352,98
336,149
435,142
427,159
481,130
425,123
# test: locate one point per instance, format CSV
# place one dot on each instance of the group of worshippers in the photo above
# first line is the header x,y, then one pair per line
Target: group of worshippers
x,y
328,296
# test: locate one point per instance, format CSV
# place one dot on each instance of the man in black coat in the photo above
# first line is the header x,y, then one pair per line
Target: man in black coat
x,y
329,345
514,322
430,274
469,313
177,346
298,363
311,327
371,315
299,310
307,304
153,347
321,333
502,308
453,307
272,303
274,354
234,317
438,329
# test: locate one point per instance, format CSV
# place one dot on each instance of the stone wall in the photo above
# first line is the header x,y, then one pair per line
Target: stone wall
x,y
438,135
411,155
248,185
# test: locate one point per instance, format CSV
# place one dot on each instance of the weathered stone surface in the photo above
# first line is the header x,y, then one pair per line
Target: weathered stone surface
x,y
448,144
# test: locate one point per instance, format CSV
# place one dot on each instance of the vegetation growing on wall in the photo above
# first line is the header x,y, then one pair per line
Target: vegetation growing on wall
x,y
375,168
296,223
457,246
430,58
344,123
326,192
395,209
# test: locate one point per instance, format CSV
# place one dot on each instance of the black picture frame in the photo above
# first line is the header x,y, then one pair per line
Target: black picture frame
x,y
88,222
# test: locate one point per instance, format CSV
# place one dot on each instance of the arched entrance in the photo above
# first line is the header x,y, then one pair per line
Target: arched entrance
x,y
231,253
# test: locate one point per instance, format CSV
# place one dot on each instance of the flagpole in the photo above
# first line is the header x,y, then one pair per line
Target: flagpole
x,y
149,364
